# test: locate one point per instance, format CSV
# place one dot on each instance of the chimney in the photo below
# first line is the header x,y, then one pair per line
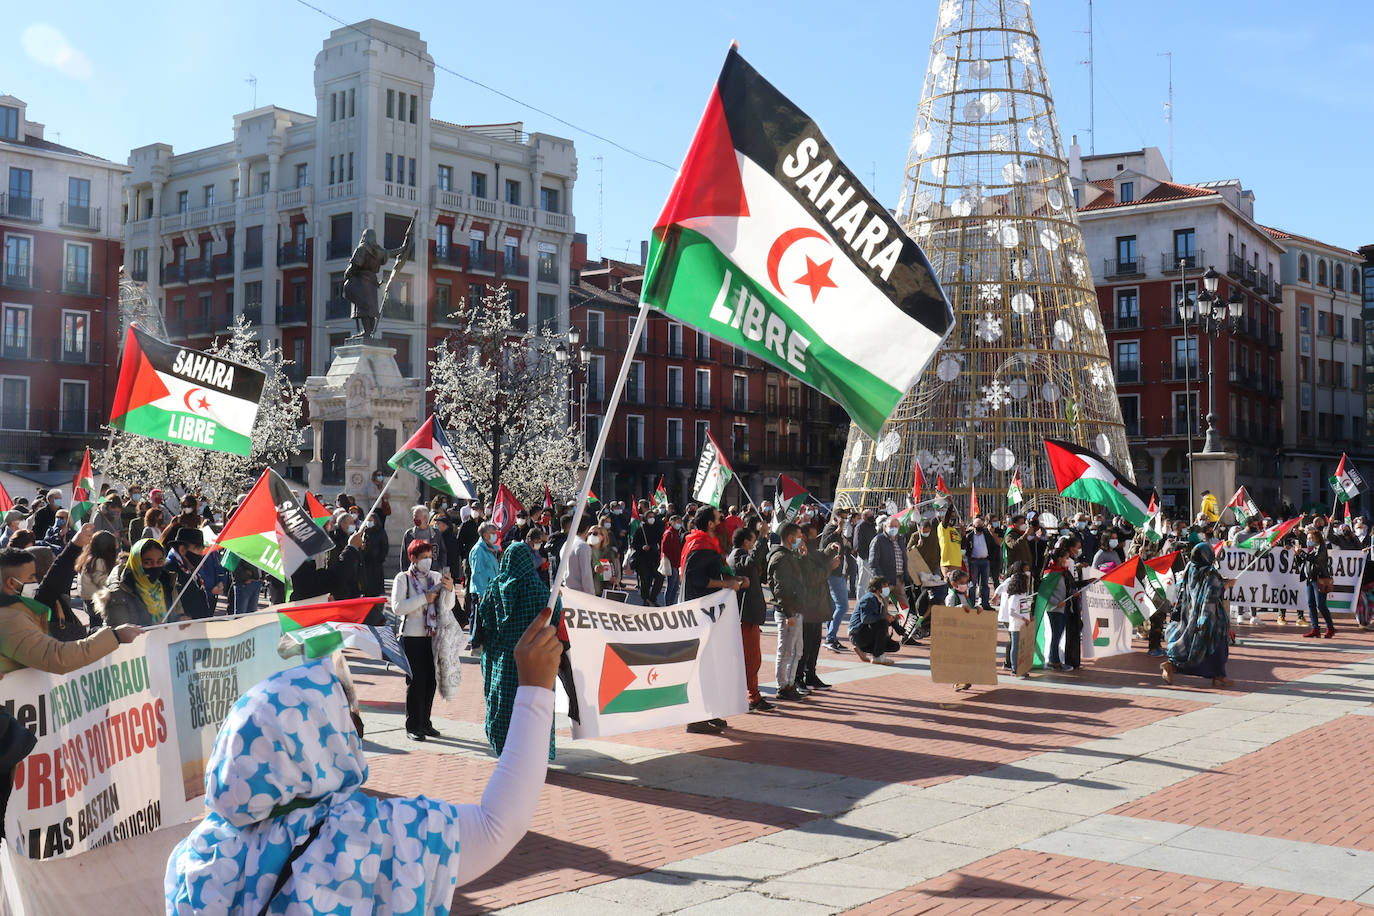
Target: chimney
x,y
643,253
1075,159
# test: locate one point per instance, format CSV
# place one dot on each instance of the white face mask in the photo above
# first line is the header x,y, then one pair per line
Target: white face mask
x,y
893,532
1113,542
886,591
423,565
491,538
369,524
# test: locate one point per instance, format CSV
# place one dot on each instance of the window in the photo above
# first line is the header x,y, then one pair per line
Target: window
x,y
1304,270
1185,357
634,382
21,189
386,171
1128,361
252,295
1305,317
78,201
1321,272
674,386
703,428
1185,412
302,174
1192,288
414,107
445,178
352,98
331,168
1127,192
1130,413
479,185
9,123
400,106
596,378
547,316
476,292
443,237
443,298
350,166
477,247
18,260
264,182
548,200
14,403
391,103
16,331
512,192
596,329
1340,276
739,440
1185,247
1338,326
674,444
1127,308
1075,199
674,339
73,419
183,201
333,106
1354,325
703,388
207,195
1125,254
741,392
634,436
703,345
412,172
1321,324
74,338
140,263
76,273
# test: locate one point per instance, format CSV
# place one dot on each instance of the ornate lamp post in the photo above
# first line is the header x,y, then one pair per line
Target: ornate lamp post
x,y
1214,314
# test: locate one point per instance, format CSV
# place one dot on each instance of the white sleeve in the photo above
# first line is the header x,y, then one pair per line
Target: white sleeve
x,y
487,832
401,605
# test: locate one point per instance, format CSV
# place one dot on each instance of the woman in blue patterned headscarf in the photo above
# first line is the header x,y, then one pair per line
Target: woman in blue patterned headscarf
x,y
1198,640
290,831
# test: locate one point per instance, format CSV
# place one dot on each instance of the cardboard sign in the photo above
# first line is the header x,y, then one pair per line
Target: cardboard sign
x,y
963,645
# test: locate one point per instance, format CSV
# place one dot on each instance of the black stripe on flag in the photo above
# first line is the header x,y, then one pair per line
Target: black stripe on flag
x,y
247,382
660,653
766,127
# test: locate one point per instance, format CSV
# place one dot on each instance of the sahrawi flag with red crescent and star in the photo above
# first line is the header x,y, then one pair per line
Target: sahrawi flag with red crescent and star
x,y
769,243
429,456
185,396
1083,474
83,491
273,531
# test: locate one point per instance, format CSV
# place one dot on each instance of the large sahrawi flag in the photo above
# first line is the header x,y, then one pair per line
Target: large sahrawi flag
x,y
185,396
713,473
1083,474
429,456
769,243
273,531
637,668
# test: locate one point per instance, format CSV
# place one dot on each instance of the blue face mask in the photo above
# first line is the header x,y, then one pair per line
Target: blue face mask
x,y
1311,543
796,545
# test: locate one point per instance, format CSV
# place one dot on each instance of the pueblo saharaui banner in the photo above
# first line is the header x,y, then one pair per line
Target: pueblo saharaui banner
x,y
122,743
1274,584
641,668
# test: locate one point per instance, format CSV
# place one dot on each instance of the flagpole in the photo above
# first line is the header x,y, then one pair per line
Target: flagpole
x,y
382,493
594,462
194,573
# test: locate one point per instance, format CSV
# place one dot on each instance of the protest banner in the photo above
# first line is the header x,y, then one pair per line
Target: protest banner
x,y
122,743
1106,631
640,668
1274,585
963,646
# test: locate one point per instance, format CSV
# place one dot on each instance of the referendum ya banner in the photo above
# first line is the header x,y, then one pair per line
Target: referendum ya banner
x,y
640,668
122,743
1274,584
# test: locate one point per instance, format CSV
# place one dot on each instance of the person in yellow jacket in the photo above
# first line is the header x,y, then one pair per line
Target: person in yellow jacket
x,y
951,544
1209,506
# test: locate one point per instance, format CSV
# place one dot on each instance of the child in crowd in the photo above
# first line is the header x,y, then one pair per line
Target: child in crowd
x,y
958,588
1015,610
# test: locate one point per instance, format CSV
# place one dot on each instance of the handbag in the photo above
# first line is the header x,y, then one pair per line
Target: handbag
x,y
665,566
1326,584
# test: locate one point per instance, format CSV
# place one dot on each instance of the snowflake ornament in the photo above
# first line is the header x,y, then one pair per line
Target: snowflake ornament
x,y
989,327
1099,377
996,395
980,409
942,462
989,293
888,446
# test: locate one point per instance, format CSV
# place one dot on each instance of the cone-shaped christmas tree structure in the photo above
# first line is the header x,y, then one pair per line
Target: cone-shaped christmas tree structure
x,y
987,195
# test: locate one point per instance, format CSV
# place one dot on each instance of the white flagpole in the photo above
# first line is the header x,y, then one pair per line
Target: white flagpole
x,y
378,501
561,574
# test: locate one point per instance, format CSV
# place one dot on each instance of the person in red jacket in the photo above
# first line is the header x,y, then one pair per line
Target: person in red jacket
x,y
672,550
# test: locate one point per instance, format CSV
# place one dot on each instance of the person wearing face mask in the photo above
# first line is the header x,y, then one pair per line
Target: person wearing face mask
x,y
516,531
58,534
25,606
646,544
141,591
605,557
483,563
833,537
423,598
951,543
376,549
870,626
887,558
107,516
345,558
14,521
185,550
1108,552
45,514
1017,544
1061,564
980,543
1083,530
671,550
1314,568
787,580
1199,632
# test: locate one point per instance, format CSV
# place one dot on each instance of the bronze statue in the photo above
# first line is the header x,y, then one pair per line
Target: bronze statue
x,y
361,281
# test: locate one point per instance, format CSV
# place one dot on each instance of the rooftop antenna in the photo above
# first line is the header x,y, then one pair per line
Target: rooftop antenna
x,y
253,81
1092,88
1169,109
600,209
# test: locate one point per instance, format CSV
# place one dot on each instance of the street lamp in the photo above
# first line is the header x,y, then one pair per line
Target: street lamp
x,y
1213,314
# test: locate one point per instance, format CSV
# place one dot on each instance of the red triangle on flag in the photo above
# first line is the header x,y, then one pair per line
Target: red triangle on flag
x,y
709,182
257,514
316,508
423,438
789,488
349,610
139,382
6,504
615,677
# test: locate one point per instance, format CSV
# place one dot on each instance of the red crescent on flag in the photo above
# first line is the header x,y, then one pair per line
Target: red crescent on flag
x,y
187,400
652,676
780,246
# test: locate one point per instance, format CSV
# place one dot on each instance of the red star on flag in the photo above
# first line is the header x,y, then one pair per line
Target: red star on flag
x,y
817,276
203,403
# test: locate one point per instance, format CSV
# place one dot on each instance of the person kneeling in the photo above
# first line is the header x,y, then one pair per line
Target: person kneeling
x,y
871,622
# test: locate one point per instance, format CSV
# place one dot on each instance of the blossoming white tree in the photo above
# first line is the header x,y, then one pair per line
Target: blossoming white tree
x,y
503,397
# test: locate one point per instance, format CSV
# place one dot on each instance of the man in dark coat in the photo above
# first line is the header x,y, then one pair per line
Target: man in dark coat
x,y
648,546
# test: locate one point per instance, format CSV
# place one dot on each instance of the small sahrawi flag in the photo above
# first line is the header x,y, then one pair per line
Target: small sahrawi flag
x,y
1083,474
429,456
791,497
769,243
1136,590
1157,528
83,499
1014,496
313,625
1242,507
272,531
318,513
185,396
713,473
660,496
636,677
1347,482
1270,536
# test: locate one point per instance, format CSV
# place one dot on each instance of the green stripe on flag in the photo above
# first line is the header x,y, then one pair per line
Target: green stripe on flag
x,y
1040,626
689,286
172,426
647,698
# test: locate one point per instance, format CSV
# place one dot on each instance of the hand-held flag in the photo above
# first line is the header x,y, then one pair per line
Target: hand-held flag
x,y
431,457
713,473
504,510
660,496
1014,496
83,485
973,510
1270,536
185,396
769,243
1242,508
318,513
917,483
791,497
1083,474
1347,482
272,531
6,503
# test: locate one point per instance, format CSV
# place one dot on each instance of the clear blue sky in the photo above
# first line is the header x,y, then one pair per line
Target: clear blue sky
x,y
1264,90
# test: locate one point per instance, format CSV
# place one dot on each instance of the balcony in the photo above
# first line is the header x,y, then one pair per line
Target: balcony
x,y
172,273
443,315
200,326
198,269
1235,266
741,405
19,276
292,313
1113,267
703,403
1276,292
16,348
450,256
291,254
337,307
1263,284
337,249
77,217
252,313
1168,262
29,209
294,373
548,270
1276,388
139,274
515,267
1125,322
675,349
252,258
404,366
458,202
676,400
295,198
340,190
1132,427
76,282
1251,275
1181,371
634,395
398,311
74,356
482,261
1127,375
222,265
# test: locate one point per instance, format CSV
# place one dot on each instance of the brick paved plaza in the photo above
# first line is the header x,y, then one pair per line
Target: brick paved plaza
x,y
1097,791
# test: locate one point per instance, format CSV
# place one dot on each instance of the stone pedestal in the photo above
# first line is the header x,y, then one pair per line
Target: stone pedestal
x,y
364,388
1215,471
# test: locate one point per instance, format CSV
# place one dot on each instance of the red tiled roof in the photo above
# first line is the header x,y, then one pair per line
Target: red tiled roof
x,y
49,146
1165,191
1281,236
